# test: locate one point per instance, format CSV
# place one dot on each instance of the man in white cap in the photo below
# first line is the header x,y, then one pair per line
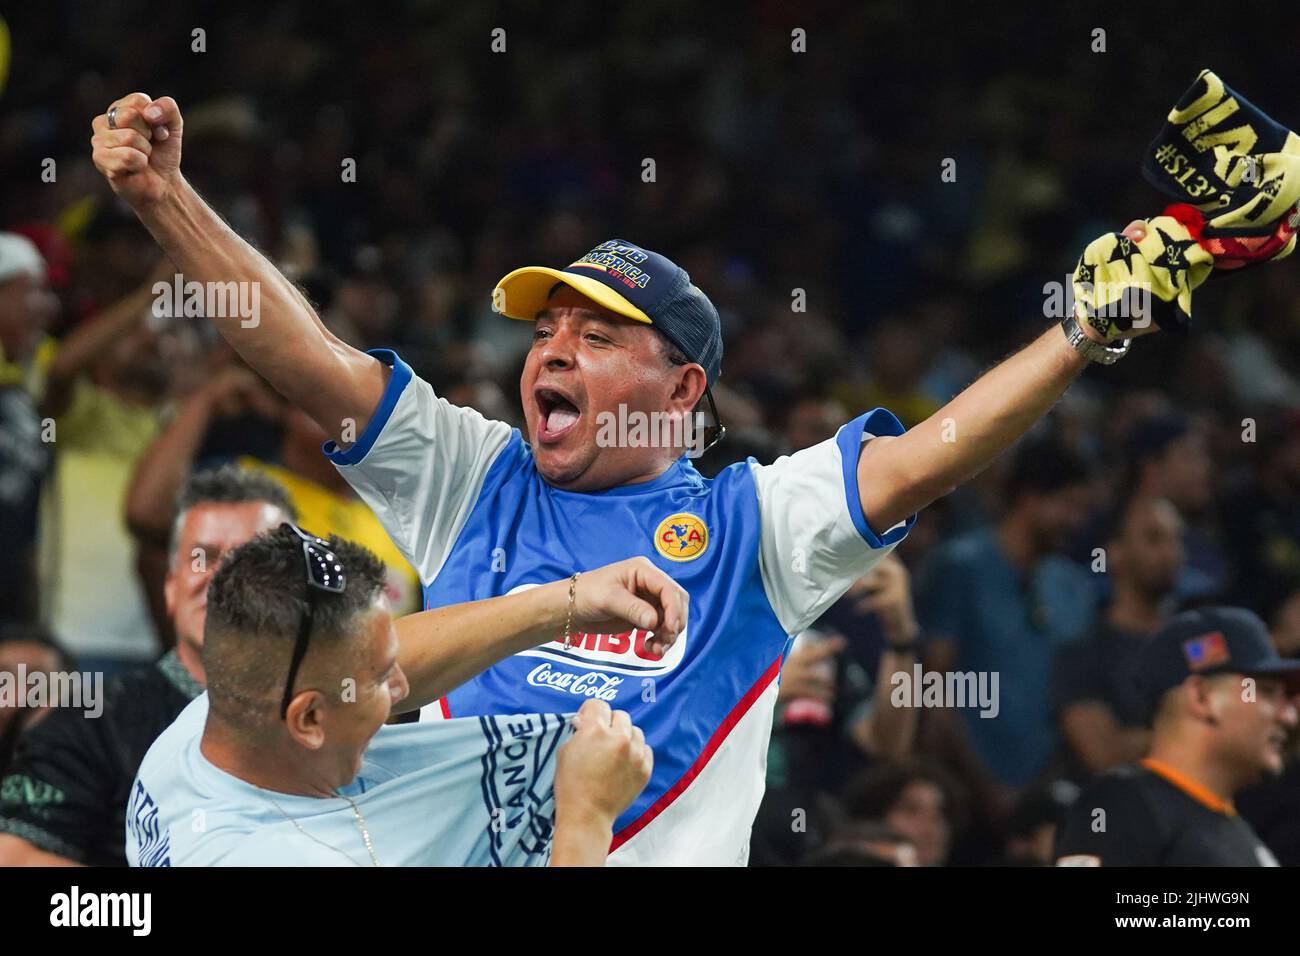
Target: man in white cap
x,y
25,310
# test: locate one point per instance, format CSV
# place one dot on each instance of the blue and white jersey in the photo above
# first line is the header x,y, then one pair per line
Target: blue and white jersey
x,y
761,550
474,792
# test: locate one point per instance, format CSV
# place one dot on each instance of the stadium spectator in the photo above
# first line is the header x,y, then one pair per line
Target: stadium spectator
x,y
1168,457
287,759
1272,806
1262,514
63,799
1034,823
24,649
26,308
1223,705
1001,601
229,408
105,385
834,716
863,844
1099,705
919,801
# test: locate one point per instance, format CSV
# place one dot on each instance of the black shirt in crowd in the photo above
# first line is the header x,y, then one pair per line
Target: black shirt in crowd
x,y
24,464
66,790
1101,666
1272,807
1148,814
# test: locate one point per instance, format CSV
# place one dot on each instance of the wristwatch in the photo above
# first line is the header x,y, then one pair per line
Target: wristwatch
x,y
1091,350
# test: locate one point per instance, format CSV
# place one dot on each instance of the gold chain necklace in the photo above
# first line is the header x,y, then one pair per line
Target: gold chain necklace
x,y
361,825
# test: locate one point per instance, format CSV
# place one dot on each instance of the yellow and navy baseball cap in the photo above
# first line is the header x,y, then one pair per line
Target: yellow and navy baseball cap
x,y
630,281
1211,640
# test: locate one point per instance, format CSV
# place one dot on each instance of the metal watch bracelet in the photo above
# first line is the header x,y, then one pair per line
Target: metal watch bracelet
x,y
1092,351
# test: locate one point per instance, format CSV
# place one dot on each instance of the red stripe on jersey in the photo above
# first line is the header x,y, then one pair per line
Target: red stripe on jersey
x,y
716,741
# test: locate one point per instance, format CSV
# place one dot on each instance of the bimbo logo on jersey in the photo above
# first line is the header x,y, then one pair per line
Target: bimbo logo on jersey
x,y
625,653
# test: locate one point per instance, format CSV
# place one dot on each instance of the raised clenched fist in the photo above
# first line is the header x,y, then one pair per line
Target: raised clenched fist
x,y
141,156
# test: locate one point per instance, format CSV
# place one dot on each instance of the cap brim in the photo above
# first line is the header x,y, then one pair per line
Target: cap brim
x,y
525,292
1288,670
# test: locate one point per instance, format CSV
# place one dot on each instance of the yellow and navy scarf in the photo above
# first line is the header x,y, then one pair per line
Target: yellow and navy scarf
x,y
1233,174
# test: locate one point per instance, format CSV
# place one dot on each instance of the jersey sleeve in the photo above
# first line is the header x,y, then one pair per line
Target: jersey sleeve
x,y
815,538
419,465
57,793
1110,824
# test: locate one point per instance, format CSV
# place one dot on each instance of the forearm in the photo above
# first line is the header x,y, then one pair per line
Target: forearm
x,y
890,731
286,342
80,348
441,649
162,469
898,476
580,840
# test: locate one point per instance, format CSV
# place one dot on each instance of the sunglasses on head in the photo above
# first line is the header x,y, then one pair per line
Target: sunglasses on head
x,y
324,573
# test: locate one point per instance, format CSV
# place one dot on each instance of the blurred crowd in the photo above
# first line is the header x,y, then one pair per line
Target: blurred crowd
x,y
803,193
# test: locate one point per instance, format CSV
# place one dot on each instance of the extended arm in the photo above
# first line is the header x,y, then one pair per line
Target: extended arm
x,y
444,647
898,476
285,341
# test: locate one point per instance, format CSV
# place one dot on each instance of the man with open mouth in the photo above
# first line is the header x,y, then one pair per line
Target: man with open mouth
x,y
480,511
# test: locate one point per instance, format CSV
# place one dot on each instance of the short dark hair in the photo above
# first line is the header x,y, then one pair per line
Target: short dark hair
x,y
874,792
256,602
229,485
1042,466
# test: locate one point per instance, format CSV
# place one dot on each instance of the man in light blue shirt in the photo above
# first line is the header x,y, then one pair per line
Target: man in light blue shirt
x,y
287,760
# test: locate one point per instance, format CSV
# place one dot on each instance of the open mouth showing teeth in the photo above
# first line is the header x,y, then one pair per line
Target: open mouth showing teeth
x,y
559,414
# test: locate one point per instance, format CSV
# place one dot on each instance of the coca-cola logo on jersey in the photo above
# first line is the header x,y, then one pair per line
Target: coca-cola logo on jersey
x,y
625,653
591,684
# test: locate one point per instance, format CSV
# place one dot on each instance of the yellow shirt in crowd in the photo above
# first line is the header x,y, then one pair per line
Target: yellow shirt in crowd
x,y
324,512
91,593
